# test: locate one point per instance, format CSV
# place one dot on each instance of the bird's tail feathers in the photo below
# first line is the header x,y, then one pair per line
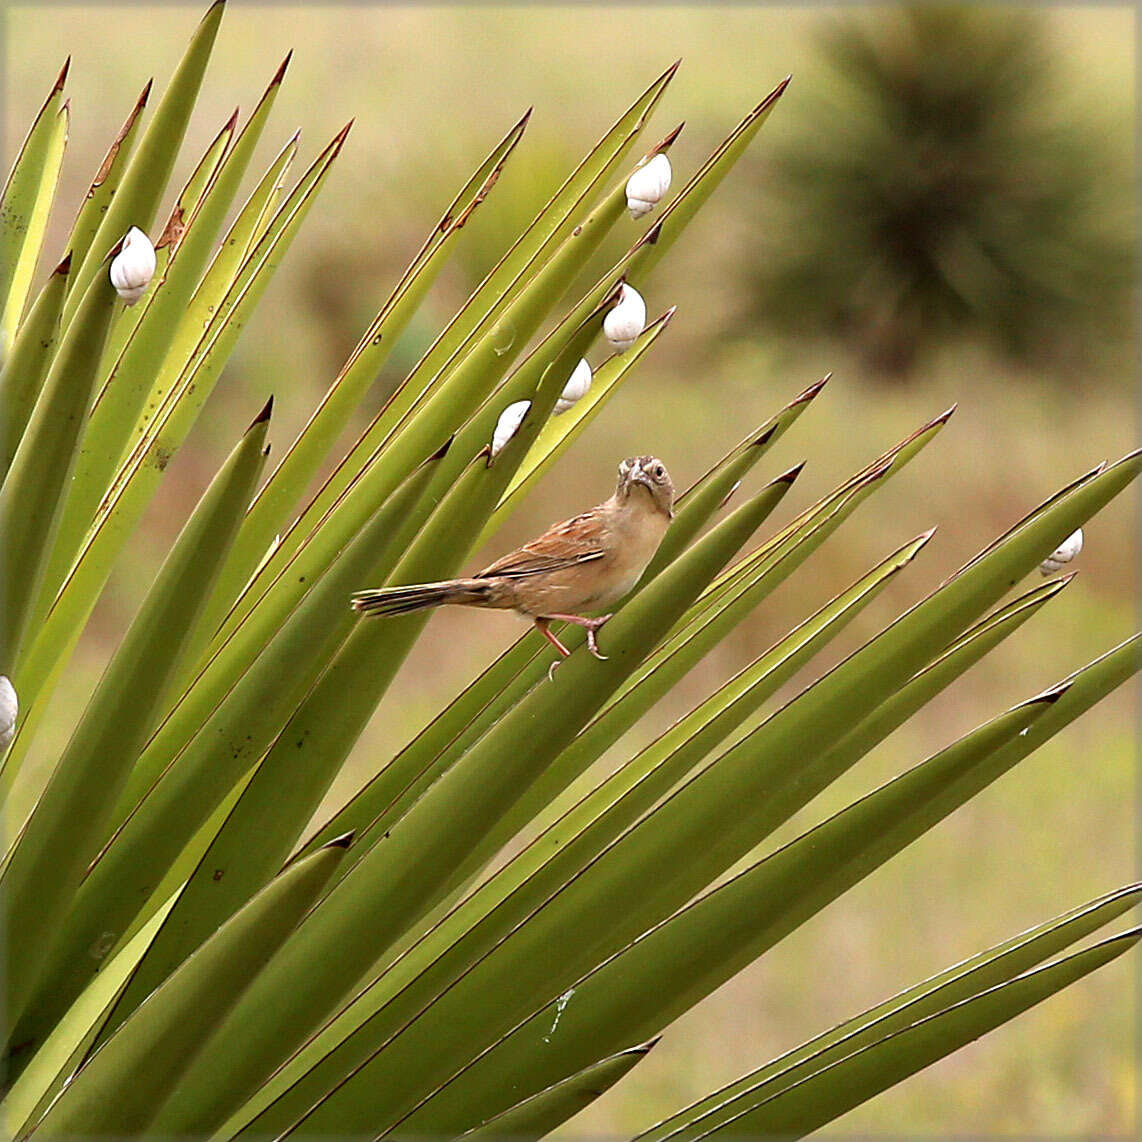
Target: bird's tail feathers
x,y
418,596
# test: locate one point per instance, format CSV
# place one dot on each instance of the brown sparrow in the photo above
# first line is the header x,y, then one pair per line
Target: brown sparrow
x,y
582,564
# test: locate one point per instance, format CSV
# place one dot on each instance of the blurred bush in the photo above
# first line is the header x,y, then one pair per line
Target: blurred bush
x,y
944,184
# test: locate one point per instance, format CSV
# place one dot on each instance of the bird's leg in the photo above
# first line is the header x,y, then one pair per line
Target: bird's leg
x,y
542,625
591,626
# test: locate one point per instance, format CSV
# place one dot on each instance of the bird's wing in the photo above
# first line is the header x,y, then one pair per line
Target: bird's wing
x,y
566,544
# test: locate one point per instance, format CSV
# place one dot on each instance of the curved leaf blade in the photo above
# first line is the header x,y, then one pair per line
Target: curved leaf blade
x,y
25,204
66,828
106,180
120,1088
839,1087
539,1115
973,976
26,366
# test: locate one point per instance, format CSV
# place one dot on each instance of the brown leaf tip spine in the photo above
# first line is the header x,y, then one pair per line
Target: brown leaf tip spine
x,y
279,75
342,842
669,141
811,391
771,98
442,451
1050,696
65,266
791,475
264,415
62,78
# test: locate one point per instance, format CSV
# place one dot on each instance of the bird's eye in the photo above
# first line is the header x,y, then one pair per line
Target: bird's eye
x,y
659,471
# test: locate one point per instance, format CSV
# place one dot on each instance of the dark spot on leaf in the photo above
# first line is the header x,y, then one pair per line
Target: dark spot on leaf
x,y
219,873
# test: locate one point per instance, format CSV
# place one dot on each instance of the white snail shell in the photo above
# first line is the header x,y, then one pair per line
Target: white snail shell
x,y
627,320
508,425
9,709
133,267
575,388
1063,554
647,185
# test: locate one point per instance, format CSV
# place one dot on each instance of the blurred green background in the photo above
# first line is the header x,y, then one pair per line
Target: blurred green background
x,y
940,210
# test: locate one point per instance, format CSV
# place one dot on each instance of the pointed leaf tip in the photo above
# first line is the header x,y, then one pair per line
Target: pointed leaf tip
x,y
279,75
264,415
670,139
1049,696
62,78
65,265
791,475
808,394
771,98
344,841
144,95
442,451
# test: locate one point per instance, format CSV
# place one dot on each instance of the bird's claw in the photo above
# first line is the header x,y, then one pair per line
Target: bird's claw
x,y
551,669
593,647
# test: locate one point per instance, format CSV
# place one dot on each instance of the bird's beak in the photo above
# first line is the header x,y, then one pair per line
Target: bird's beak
x,y
638,476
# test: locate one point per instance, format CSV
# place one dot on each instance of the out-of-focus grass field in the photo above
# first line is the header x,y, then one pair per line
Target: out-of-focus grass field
x,y
432,88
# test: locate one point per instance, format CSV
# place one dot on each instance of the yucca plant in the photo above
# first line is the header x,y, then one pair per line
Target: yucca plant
x,y
185,955
940,187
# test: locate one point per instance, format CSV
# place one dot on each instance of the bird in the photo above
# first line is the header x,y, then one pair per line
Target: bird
x,y
585,563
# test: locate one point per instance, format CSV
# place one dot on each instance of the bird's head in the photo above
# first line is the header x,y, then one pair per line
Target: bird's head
x,y
646,476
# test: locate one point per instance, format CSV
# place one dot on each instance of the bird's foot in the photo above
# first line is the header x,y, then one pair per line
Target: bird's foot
x,y
593,626
590,625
